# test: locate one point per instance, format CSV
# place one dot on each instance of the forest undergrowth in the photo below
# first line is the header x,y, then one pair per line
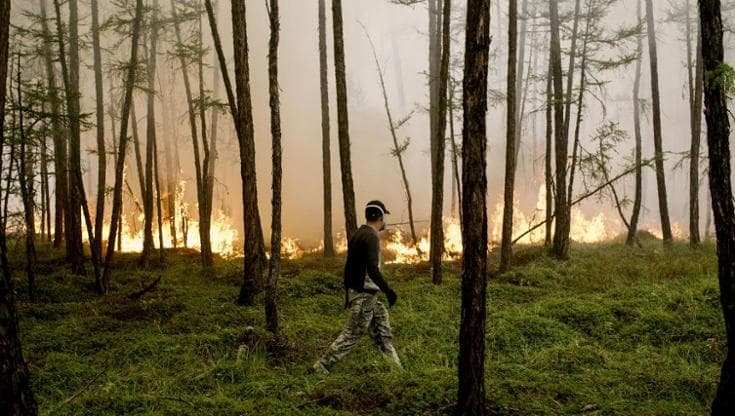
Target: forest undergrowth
x,y
614,330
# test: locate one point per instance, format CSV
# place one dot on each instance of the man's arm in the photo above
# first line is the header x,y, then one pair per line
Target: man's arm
x,y
373,269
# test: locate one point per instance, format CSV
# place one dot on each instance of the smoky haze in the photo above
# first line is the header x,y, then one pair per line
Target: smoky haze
x,y
400,36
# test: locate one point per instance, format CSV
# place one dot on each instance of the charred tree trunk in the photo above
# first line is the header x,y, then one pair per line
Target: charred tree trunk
x,y
506,248
635,215
274,267
718,143
123,142
695,99
100,112
436,248
16,398
657,140
471,368
326,152
348,192
561,231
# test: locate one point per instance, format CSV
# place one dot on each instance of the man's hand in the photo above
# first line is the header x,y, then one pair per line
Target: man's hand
x,y
392,297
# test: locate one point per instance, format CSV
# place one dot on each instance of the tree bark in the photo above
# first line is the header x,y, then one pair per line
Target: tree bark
x,y
25,178
204,185
70,77
60,156
718,141
471,368
150,139
695,100
718,132
436,249
123,142
326,152
657,140
100,112
506,248
635,215
348,192
561,232
549,183
16,397
253,259
274,267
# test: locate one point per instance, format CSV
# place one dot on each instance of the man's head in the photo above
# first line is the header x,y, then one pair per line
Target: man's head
x,y
375,213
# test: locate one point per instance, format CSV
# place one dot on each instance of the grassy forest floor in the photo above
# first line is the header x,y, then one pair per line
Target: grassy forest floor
x,y
614,330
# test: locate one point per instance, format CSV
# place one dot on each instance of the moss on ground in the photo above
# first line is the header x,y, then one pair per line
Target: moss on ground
x,y
614,330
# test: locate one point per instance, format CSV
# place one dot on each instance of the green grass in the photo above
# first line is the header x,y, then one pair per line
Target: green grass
x,y
612,331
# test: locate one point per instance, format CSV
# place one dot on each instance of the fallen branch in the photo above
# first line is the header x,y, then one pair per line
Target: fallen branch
x,y
139,294
83,389
577,201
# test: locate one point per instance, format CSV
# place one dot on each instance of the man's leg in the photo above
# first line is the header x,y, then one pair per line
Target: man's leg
x,y
381,332
361,313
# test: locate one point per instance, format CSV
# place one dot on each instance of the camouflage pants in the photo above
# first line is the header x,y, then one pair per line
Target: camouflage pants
x,y
366,312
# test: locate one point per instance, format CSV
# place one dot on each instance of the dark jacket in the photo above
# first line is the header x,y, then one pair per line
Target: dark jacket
x,y
363,258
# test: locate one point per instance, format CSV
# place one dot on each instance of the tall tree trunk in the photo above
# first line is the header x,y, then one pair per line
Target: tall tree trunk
x,y
506,248
205,200
570,70
348,192
123,142
549,183
271,307
190,112
150,140
695,100
16,398
657,140
580,106
60,177
326,152
398,149
436,248
471,368
520,63
633,229
75,163
72,220
100,112
456,151
159,208
718,143
253,258
171,183
561,231
45,193
26,179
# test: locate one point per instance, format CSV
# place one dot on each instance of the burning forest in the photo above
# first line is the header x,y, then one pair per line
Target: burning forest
x,y
416,207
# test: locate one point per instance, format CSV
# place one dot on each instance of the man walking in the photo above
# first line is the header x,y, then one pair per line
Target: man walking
x,y
363,280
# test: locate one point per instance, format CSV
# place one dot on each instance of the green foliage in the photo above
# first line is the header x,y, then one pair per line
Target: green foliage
x,y
722,77
614,330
